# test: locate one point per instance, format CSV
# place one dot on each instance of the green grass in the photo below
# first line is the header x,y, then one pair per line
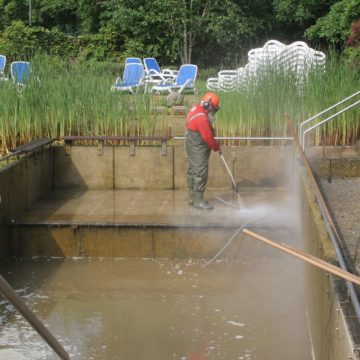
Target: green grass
x,y
259,109
74,99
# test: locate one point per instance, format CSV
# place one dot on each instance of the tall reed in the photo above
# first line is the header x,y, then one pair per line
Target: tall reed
x,y
62,98
259,108
69,99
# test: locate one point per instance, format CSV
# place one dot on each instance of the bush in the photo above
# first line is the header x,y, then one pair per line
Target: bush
x,y
103,46
352,56
22,42
352,52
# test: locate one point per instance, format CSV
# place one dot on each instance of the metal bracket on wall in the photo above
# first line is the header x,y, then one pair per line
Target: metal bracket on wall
x,y
163,148
132,145
233,155
100,148
67,147
330,172
35,157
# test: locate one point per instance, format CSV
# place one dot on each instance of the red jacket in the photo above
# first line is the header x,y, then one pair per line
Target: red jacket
x,y
198,120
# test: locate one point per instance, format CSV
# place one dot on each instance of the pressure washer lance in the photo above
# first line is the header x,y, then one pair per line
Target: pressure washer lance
x,y
240,201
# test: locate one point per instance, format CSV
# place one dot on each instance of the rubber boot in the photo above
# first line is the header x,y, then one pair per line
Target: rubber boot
x,y
190,184
199,202
191,197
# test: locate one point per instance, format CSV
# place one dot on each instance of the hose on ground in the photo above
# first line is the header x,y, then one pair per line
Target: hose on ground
x,y
231,239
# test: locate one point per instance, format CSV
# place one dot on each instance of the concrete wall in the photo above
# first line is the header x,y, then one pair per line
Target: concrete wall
x,y
114,167
330,162
336,168
21,184
329,312
148,168
119,241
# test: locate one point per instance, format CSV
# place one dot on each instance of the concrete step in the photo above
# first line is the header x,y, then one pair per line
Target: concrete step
x,y
133,224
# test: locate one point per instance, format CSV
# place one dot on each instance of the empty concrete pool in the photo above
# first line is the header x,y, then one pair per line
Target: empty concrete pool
x,y
101,244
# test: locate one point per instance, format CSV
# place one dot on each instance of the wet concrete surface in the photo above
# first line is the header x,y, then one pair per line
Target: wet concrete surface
x,y
157,207
249,308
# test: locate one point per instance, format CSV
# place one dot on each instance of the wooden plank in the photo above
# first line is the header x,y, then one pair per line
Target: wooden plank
x,y
302,255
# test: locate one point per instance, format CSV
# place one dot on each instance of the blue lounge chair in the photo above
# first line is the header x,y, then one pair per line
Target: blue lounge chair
x,y
2,67
133,60
154,74
20,72
132,79
185,80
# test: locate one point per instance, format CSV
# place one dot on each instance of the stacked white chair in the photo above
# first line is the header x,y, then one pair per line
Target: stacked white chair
x,y
296,57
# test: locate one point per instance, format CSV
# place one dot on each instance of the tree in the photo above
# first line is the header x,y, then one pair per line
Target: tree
x,y
296,16
335,26
13,10
88,13
57,14
172,29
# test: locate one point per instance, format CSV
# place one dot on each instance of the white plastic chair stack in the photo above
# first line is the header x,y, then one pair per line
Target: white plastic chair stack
x,y
296,57
212,83
300,59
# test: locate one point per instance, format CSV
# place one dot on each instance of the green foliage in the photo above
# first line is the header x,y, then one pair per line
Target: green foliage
x,y
22,42
292,11
352,56
172,29
294,17
147,27
88,13
102,46
335,27
18,42
59,14
11,10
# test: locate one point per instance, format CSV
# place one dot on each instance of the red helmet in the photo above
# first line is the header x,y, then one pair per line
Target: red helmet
x,y
210,99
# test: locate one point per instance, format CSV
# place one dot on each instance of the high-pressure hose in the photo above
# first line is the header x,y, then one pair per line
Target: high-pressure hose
x,y
241,203
231,239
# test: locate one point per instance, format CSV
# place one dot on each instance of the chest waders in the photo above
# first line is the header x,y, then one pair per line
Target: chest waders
x,y
198,153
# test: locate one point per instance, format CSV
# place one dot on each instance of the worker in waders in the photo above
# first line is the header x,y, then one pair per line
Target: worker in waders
x,y
199,141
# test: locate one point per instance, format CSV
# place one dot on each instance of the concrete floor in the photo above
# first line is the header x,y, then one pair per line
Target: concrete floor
x,y
162,207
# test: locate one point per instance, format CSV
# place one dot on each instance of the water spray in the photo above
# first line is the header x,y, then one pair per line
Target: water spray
x,y
241,203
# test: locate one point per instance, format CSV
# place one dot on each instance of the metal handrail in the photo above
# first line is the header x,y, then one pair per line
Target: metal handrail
x,y
20,150
27,148
326,120
115,138
10,155
322,113
242,138
329,223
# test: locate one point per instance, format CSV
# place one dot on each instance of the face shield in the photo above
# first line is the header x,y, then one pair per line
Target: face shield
x,y
211,114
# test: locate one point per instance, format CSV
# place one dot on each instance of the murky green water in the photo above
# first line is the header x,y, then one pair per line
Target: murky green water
x,y
249,308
